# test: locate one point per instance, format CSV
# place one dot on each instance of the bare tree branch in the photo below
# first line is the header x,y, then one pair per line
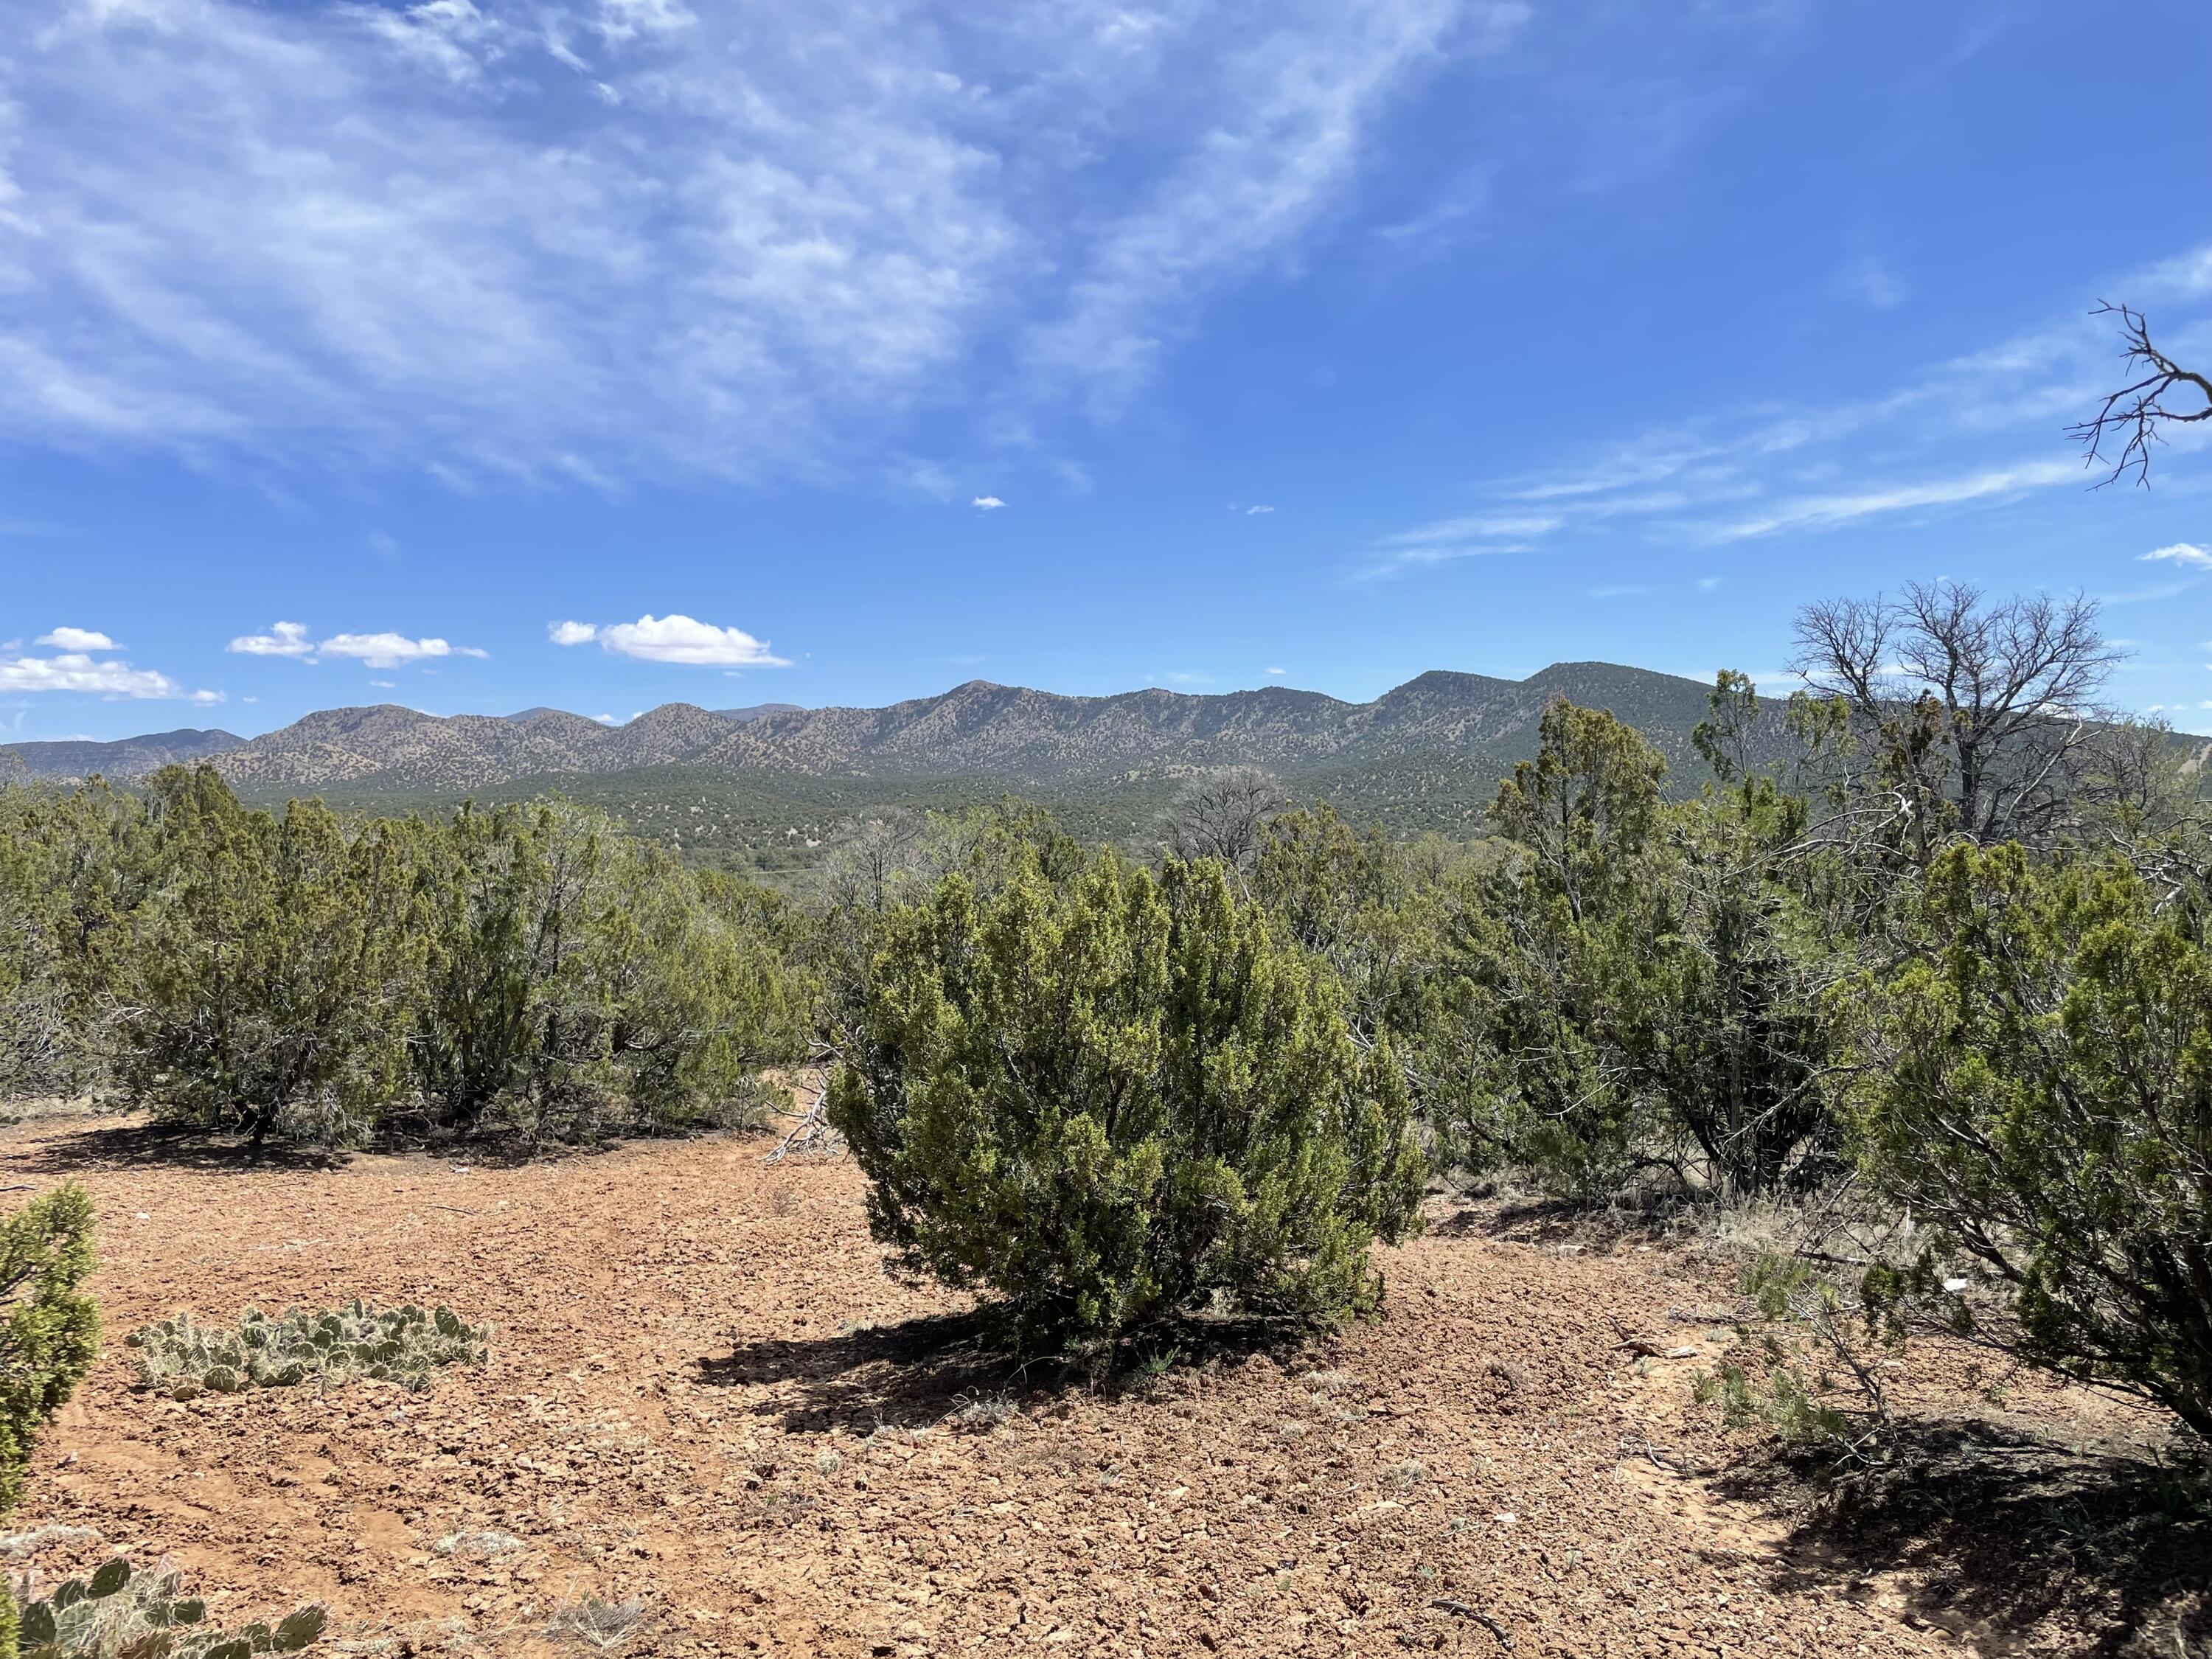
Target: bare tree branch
x,y
2161,393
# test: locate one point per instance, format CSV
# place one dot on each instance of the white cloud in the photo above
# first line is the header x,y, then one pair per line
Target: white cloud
x,y
2183,553
391,650
1276,673
571,633
988,503
284,639
1288,122
603,239
78,639
1826,512
73,670
1250,511
385,685
679,639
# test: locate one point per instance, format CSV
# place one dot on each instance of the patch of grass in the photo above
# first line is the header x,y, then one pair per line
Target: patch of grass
x,y
983,1411
598,1627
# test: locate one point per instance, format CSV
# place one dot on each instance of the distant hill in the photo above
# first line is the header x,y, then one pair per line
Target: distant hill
x,y
765,787
760,708
127,757
1441,731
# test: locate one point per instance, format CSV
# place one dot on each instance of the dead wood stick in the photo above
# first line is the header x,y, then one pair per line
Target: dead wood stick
x,y
1462,1610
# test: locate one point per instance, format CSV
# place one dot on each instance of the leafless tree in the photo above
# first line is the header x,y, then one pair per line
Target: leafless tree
x,y
1224,814
2160,393
1984,711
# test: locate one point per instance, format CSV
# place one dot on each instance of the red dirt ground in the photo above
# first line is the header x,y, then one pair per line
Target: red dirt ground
x,y
705,1395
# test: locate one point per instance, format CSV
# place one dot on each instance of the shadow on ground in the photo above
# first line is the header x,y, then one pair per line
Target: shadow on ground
x,y
926,1372
909,1375
1996,1531
108,1144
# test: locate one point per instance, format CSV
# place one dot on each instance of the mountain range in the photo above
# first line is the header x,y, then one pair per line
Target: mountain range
x,y
1466,727
767,789
128,757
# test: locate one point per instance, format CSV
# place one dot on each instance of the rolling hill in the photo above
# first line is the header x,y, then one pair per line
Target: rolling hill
x,y
764,787
1448,723
128,757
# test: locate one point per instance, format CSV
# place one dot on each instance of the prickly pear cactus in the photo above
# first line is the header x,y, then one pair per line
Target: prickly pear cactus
x,y
182,1359
121,1614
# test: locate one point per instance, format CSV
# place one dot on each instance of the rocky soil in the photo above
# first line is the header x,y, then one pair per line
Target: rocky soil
x,y
705,1398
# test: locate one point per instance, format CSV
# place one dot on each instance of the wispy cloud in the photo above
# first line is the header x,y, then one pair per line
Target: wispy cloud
x,y
673,639
1871,280
599,240
987,503
1826,512
1985,428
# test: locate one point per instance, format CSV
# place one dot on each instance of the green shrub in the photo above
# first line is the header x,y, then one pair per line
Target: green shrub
x,y
50,1334
1817,1376
1108,1097
118,1613
51,1329
2038,1092
572,969
266,981
182,1359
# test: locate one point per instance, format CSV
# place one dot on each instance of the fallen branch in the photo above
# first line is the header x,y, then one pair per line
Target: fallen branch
x,y
812,1133
1462,1610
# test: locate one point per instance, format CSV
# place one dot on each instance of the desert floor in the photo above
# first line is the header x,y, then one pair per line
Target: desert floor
x,y
705,1396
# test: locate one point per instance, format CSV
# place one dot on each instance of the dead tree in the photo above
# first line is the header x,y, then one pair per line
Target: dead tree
x,y
1987,712
1224,814
2161,394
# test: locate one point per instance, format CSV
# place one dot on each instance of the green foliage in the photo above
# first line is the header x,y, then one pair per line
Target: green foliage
x,y
182,1359
1542,1074
1633,988
266,981
314,978
120,1613
51,1328
1817,1378
2037,1088
70,868
1110,1097
569,965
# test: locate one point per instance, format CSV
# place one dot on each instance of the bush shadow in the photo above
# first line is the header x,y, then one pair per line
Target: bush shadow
x,y
923,1371
908,1376
1995,1532
136,1144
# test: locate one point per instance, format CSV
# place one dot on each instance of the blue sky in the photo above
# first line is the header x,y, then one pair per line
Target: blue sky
x,y
839,350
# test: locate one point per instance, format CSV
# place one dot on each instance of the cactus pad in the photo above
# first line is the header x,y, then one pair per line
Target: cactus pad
x,y
182,1359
